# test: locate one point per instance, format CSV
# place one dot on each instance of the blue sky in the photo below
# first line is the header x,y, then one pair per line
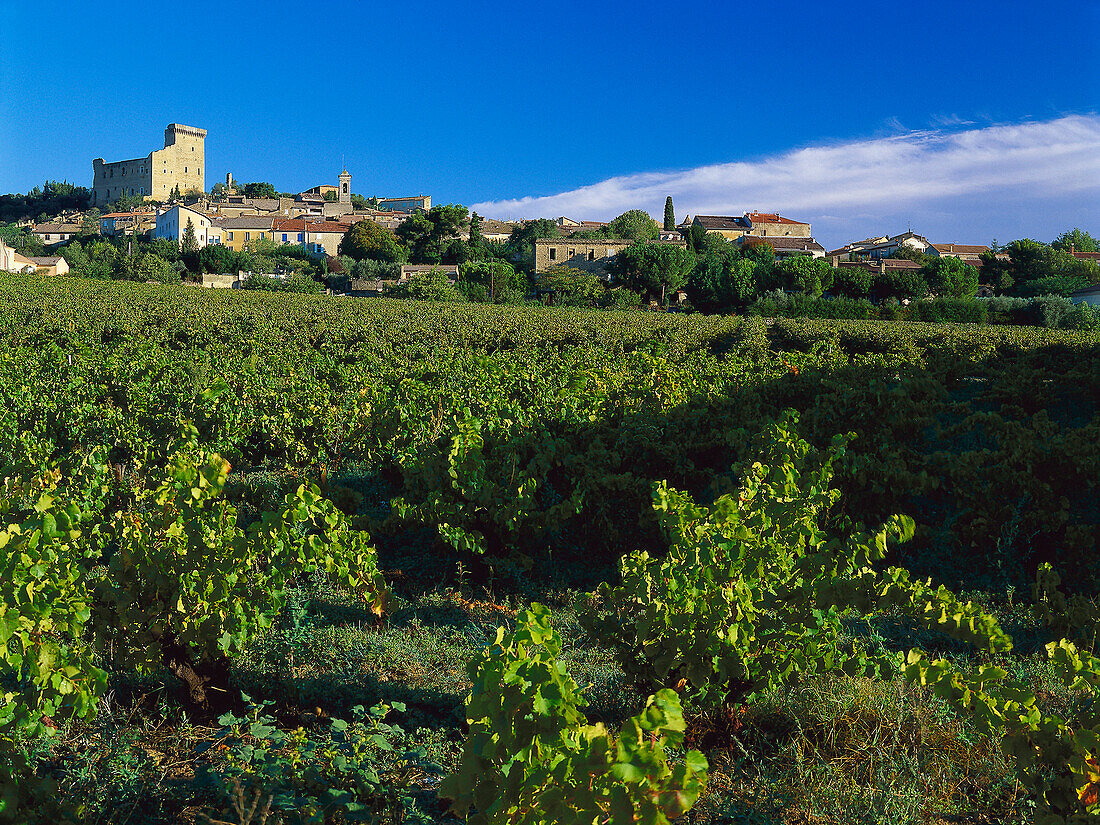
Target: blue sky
x,y
522,108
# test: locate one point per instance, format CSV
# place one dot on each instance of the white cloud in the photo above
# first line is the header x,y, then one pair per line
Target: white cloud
x,y
955,182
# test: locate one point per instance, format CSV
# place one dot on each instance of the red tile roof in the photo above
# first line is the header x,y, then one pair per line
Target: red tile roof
x,y
768,217
959,248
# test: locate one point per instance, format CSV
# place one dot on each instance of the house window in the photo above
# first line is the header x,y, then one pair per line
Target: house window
x,y
248,236
591,254
185,170
229,235
284,237
198,171
553,254
572,253
299,236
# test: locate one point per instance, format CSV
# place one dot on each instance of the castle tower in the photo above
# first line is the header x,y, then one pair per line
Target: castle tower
x,y
345,187
182,161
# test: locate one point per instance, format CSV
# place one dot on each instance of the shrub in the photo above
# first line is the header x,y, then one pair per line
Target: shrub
x,y
752,591
531,756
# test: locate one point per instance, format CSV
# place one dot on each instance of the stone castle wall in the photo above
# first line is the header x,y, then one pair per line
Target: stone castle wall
x,y
180,163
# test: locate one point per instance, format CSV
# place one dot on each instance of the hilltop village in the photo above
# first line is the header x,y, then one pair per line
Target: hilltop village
x,y
153,218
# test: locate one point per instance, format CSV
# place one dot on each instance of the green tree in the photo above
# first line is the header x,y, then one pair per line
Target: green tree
x,y
852,281
950,277
427,235
90,223
428,286
722,279
572,287
1076,239
150,267
900,284
634,225
909,253
366,239
670,215
189,247
331,197
809,275
520,246
259,189
218,259
1034,268
652,269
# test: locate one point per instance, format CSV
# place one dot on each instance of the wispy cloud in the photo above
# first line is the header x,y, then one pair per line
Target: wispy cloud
x,y
941,174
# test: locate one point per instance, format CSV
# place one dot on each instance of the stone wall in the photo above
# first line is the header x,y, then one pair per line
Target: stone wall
x,y
585,256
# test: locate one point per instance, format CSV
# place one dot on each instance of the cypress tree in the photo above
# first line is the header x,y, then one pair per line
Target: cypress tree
x,y
670,214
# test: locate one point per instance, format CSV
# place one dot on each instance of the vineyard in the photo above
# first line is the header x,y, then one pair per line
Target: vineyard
x,y
291,558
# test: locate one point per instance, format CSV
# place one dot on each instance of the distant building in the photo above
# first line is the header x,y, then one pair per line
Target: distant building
x,y
788,247
239,233
54,265
12,261
409,270
758,224
879,267
172,224
967,253
569,225
412,204
178,165
1084,256
882,247
51,234
116,224
496,231
318,237
581,255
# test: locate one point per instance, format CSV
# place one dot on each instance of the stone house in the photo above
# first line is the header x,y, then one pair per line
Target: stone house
x,y
759,224
53,265
580,255
51,234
